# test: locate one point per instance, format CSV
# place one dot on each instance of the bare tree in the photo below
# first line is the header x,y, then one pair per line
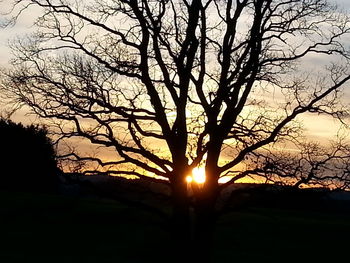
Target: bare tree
x,y
172,85
310,164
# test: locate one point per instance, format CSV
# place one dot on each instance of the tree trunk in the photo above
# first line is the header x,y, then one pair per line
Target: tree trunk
x,y
181,234
204,223
180,223
193,229
193,221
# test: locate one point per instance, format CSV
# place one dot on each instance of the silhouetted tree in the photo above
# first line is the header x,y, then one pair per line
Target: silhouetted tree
x,y
313,164
175,84
27,158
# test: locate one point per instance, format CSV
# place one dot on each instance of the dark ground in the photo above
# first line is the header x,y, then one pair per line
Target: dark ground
x,y
53,228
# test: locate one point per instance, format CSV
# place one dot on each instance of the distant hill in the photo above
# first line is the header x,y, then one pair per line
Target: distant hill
x,y
287,197
234,197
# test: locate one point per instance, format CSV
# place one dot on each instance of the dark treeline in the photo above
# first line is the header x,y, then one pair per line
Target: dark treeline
x,y
27,158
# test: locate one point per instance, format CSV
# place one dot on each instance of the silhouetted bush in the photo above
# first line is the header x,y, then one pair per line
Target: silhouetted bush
x,y
27,158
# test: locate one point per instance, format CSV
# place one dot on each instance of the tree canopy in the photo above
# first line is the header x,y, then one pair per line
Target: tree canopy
x,y
170,85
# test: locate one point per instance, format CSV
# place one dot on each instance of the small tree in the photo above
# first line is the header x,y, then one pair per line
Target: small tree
x,y
27,158
173,85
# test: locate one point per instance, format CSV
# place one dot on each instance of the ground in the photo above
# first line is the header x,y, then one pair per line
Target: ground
x,y
54,228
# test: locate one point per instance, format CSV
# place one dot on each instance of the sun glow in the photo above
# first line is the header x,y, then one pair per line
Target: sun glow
x,y
189,179
198,175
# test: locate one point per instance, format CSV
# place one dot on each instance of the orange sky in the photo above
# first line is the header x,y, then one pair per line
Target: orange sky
x,y
318,128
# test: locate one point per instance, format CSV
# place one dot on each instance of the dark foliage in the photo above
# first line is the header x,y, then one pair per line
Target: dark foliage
x,y
27,158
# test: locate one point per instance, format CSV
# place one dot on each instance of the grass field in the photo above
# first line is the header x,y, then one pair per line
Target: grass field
x,y
50,228
277,235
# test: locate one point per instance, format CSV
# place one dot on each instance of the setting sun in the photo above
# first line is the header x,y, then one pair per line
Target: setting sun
x,y
198,175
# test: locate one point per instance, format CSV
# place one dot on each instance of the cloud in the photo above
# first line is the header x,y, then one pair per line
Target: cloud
x,y
23,26
343,4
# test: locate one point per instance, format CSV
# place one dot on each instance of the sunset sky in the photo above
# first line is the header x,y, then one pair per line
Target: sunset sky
x,y
24,26
319,129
